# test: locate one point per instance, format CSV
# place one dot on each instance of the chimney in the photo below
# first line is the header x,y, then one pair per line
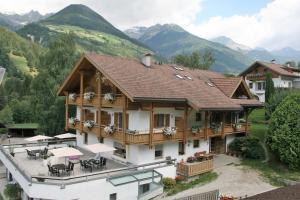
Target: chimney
x,y
146,60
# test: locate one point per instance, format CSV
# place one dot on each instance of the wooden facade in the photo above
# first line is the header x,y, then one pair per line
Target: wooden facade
x,y
100,86
196,168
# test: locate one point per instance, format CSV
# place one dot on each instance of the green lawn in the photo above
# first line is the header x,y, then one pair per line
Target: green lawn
x,y
257,116
25,126
203,179
21,64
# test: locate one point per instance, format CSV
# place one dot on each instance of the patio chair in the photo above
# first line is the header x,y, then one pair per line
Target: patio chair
x,y
104,162
88,165
70,168
30,154
44,152
98,163
53,171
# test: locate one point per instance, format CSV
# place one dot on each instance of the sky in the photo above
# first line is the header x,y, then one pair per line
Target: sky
x,y
270,24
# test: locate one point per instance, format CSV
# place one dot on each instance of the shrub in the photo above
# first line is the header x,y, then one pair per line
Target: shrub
x,y
3,131
11,191
249,147
283,135
169,183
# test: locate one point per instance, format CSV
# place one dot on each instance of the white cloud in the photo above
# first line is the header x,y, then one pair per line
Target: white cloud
x,y
275,26
121,13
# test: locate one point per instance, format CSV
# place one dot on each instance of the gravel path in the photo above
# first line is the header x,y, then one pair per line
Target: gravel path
x,y
233,180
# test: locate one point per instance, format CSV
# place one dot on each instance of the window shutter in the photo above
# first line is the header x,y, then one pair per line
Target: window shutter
x,y
116,119
155,121
167,120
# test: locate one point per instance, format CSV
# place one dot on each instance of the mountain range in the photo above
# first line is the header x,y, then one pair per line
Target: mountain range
x,y
94,33
281,56
16,21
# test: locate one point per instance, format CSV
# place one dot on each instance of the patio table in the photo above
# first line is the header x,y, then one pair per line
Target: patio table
x,y
37,151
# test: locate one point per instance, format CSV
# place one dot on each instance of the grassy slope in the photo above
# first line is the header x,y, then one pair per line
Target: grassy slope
x,y
273,170
94,41
21,64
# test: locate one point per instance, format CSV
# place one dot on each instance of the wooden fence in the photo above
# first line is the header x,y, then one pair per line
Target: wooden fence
x,y
211,195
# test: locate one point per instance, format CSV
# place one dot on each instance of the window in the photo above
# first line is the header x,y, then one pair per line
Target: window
x,y
264,85
158,151
120,150
290,84
113,196
85,141
120,120
161,120
101,140
144,188
196,144
198,117
259,86
250,85
180,148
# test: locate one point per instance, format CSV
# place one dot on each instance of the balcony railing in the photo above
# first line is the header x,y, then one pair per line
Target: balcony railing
x,y
94,101
196,168
159,136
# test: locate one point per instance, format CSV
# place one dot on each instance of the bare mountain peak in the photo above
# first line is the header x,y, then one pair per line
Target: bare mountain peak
x,y
230,43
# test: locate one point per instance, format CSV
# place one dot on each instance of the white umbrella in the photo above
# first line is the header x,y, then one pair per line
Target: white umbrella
x,y
65,152
38,137
65,136
99,148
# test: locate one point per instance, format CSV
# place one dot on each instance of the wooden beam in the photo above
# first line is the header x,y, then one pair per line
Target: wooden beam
x,y
206,125
124,118
81,101
151,125
99,104
223,124
67,112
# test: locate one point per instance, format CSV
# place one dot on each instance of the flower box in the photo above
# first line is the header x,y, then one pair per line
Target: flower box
x,y
89,124
169,131
73,121
88,96
109,97
109,129
72,96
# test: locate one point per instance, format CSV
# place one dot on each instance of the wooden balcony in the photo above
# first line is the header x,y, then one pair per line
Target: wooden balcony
x,y
158,137
118,102
196,168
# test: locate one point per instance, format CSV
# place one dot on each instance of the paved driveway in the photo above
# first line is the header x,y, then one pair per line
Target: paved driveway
x,y
233,180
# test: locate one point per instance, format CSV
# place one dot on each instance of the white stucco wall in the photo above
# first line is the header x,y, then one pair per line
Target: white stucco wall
x,y
229,139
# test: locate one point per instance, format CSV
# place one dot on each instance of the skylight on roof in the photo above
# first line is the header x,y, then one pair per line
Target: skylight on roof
x,y
178,76
188,77
178,68
210,84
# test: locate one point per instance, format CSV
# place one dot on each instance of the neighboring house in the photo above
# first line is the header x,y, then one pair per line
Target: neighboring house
x,y
2,73
282,76
152,114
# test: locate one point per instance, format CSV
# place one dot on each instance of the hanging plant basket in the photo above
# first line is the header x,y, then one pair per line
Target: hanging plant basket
x,y
169,131
89,124
73,121
109,130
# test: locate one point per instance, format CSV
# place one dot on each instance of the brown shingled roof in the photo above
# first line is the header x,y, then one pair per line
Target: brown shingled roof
x,y
160,82
277,68
284,193
228,85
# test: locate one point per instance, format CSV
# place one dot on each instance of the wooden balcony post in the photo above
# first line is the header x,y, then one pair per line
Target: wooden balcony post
x,y
185,123
81,101
247,115
151,125
99,76
67,112
206,125
124,118
223,124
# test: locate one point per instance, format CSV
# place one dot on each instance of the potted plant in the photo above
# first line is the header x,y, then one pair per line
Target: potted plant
x,y
237,126
88,96
109,129
72,96
190,159
169,131
109,97
73,121
88,124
